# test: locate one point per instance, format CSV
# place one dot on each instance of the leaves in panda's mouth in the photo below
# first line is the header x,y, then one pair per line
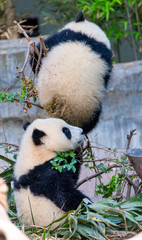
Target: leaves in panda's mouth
x,y
64,160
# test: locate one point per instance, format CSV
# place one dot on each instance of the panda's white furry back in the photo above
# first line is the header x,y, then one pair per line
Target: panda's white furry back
x,y
73,76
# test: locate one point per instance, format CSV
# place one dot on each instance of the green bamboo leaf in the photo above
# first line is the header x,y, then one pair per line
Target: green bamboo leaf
x,y
73,168
84,220
89,232
73,224
43,235
60,168
69,167
7,175
98,207
7,160
31,211
104,220
131,205
132,219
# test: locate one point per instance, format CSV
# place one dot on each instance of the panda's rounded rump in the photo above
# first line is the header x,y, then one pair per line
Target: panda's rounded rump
x,y
68,74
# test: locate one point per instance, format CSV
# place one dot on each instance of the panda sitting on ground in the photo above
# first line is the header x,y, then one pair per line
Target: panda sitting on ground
x,y
38,189
74,74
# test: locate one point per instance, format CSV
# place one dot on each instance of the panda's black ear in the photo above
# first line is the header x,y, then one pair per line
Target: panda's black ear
x,y
80,17
37,134
26,125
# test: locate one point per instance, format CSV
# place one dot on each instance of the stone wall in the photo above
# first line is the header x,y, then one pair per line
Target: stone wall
x,y
122,106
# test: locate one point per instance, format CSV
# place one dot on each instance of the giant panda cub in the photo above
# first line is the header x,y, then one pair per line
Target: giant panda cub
x,y
74,74
40,190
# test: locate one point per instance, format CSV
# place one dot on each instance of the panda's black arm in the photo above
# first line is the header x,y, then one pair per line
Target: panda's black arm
x,y
69,198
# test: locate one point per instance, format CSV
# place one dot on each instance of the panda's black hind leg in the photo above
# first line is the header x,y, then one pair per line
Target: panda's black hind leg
x,y
89,125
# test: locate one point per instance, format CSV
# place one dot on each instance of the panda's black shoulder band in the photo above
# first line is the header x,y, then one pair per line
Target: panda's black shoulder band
x,y
80,17
67,35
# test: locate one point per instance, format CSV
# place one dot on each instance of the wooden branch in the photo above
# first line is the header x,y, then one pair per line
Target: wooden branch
x,y
129,137
39,57
45,50
9,144
26,60
92,157
130,182
22,31
128,193
30,41
32,103
97,174
100,160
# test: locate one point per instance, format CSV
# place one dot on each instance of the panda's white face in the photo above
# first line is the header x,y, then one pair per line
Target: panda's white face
x,y
42,140
54,134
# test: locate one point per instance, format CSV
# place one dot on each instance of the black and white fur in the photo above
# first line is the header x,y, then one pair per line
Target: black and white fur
x,y
74,74
40,190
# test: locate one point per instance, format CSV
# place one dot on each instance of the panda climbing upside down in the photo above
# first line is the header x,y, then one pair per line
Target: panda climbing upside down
x,y
38,189
74,74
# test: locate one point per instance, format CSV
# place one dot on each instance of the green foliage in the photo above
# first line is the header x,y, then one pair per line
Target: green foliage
x,y
8,173
102,167
96,220
64,160
101,220
120,19
28,91
58,11
111,187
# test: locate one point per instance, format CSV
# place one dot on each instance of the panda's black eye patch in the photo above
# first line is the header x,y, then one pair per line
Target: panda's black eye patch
x,y
67,132
36,135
